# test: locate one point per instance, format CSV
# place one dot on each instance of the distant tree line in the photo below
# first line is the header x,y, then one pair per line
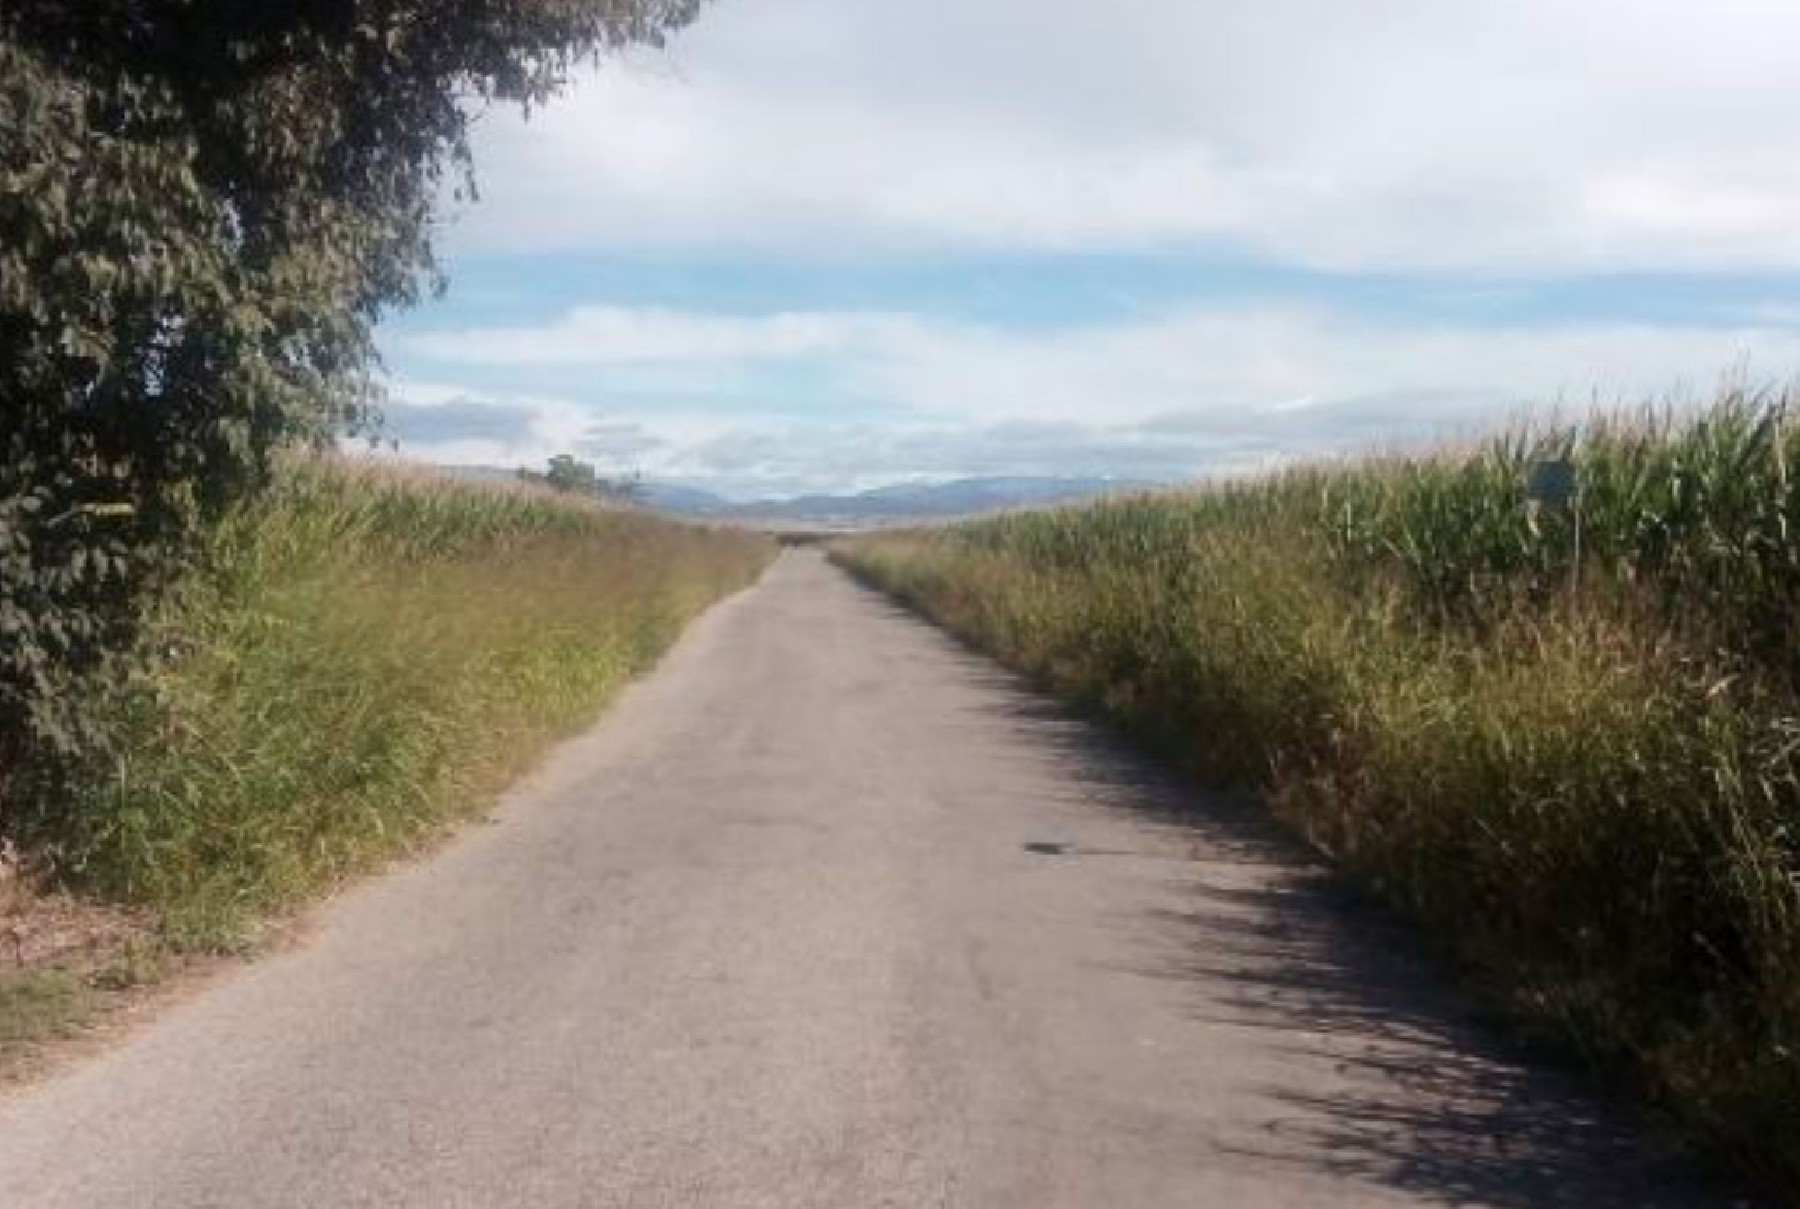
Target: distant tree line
x,y
567,473
205,206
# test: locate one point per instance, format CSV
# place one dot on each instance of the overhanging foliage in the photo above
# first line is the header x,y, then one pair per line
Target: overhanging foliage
x,y
205,205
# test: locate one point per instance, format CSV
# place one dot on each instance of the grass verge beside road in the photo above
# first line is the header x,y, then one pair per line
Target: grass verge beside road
x,y
1562,737
367,656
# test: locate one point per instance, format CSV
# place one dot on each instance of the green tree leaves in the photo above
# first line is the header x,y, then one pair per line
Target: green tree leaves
x,y
567,473
204,207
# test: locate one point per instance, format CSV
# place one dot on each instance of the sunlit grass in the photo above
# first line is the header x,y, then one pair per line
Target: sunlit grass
x,y
1563,738
368,655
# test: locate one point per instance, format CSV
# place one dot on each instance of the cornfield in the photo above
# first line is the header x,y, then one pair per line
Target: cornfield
x,y
1557,729
363,655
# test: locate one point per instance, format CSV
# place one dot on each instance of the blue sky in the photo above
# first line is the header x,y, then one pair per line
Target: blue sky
x,y
828,244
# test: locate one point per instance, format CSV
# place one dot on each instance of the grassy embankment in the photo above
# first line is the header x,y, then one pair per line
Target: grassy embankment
x,y
1583,780
367,656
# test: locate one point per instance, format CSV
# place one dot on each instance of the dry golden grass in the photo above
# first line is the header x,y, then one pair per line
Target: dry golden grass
x,y
369,654
1582,779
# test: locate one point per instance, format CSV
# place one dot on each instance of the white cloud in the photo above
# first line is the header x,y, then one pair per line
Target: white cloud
x,y
1194,391
1485,145
1264,355
1529,135
616,335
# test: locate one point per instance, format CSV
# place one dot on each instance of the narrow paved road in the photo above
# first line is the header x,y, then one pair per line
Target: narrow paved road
x,y
796,926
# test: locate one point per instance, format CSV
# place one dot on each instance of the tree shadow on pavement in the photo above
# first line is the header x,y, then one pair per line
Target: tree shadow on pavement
x,y
1405,1085
1424,1094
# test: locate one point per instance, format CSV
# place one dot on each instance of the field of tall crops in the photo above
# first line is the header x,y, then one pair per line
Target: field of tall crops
x,y
364,655
1559,729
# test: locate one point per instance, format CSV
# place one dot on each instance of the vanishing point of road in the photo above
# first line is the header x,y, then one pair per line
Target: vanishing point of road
x,y
830,913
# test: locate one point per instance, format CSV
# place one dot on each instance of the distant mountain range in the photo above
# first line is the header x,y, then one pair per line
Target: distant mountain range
x,y
898,502
881,505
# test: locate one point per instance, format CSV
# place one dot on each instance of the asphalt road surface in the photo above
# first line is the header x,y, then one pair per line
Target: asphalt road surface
x,y
828,912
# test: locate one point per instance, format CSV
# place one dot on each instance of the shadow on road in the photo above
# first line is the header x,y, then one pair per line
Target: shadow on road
x,y
1422,1096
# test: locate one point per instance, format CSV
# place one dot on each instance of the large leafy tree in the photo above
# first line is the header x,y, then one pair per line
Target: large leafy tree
x,y
205,205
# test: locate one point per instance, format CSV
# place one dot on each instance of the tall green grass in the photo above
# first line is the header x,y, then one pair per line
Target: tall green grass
x,y
365,655
1563,739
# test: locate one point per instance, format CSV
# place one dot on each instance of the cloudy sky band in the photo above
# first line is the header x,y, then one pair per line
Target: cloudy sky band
x,y
824,243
